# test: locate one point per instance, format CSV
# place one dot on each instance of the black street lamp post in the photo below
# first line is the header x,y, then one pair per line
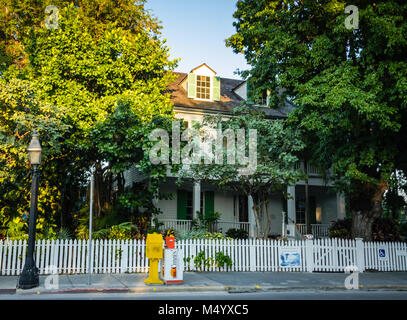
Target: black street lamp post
x,y
29,276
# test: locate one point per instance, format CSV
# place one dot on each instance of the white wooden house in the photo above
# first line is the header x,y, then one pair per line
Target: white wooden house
x,y
200,92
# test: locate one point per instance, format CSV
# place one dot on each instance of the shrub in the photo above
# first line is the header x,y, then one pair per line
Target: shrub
x,y
169,232
201,234
341,229
237,234
220,260
384,229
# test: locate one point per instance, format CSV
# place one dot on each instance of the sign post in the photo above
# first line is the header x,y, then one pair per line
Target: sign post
x,y
90,264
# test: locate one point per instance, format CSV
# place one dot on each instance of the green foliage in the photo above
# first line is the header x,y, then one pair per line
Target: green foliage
x,y
221,260
277,149
348,85
201,234
341,229
237,233
383,229
169,232
94,90
17,229
386,230
205,223
120,232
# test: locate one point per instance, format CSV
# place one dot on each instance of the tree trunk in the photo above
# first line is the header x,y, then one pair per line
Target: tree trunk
x,y
366,207
268,225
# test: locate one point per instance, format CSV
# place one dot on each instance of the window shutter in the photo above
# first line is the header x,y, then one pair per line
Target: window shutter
x,y
181,204
249,91
191,85
216,88
209,204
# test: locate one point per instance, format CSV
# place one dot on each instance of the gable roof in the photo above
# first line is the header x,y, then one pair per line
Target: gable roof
x,y
228,98
204,64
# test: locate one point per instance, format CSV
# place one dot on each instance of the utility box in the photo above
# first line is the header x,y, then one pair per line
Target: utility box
x,y
154,246
173,264
154,252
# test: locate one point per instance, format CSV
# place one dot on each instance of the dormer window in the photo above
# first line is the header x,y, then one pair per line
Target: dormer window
x,y
202,83
203,87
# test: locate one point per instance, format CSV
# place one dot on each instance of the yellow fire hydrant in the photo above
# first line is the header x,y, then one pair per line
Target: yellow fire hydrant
x,y
154,252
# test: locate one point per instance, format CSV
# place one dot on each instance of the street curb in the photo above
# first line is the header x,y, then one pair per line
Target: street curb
x,y
172,288
73,290
243,289
8,291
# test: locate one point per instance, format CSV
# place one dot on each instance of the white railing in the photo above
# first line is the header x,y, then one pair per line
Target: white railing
x,y
176,224
220,226
311,170
224,226
128,256
318,230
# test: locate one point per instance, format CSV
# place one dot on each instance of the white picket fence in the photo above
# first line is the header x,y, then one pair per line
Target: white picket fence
x,y
120,256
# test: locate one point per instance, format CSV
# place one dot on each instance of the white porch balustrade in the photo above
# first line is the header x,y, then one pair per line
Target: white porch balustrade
x,y
318,230
185,225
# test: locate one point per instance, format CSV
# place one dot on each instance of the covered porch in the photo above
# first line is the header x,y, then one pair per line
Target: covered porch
x,y
287,215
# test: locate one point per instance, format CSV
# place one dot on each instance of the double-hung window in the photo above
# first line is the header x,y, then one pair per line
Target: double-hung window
x,y
203,87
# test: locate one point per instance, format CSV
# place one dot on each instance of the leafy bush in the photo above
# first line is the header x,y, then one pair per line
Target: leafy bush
x,y
17,229
237,233
192,234
201,234
121,231
384,229
222,259
201,262
169,232
205,223
341,229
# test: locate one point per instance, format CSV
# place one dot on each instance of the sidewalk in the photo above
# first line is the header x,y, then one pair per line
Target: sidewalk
x,y
212,281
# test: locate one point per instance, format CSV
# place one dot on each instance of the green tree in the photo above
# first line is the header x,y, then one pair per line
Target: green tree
x,y
277,146
349,86
102,64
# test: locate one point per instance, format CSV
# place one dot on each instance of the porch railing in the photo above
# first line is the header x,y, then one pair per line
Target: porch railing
x,y
312,171
186,225
176,224
224,226
318,230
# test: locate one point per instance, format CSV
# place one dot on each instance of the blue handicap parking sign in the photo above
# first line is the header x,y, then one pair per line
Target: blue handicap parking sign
x,y
382,253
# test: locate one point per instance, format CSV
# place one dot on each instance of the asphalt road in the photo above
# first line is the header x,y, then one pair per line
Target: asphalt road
x,y
180,296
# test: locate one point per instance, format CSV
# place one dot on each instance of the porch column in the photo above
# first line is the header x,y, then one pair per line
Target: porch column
x,y
291,212
155,204
340,206
252,222
196,198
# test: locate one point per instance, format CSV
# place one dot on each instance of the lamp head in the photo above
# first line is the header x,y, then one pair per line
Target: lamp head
x,y
35,150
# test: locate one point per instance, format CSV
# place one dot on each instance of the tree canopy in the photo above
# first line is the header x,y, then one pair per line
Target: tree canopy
x,y
93,87
276,153
349,86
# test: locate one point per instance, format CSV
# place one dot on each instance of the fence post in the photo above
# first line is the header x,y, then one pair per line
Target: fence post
x,y
309,247
252,252
360,255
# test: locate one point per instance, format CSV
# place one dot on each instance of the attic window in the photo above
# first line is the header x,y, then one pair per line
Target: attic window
x,y
203,87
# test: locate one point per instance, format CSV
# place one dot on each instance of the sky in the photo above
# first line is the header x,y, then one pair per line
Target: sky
x,y
196,30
